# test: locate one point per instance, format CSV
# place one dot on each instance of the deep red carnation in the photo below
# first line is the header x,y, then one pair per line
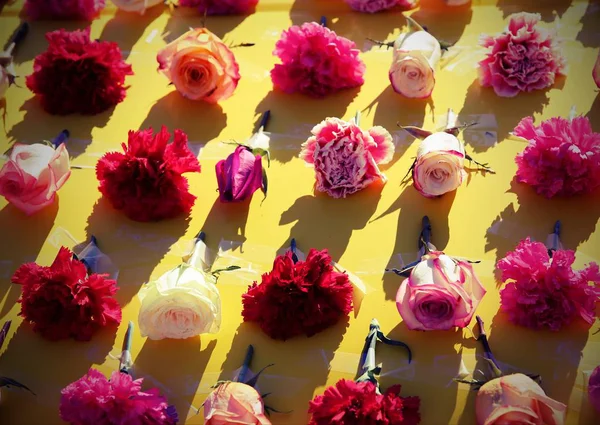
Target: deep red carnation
x,y
357,403
62,301
146,182
78,75
302,298
64,9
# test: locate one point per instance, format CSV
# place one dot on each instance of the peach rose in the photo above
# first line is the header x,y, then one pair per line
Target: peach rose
x,y
517,399
138,6
33,174
235,403
200,66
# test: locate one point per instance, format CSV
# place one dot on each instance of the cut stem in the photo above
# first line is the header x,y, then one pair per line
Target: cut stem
x,y
4,331
201,236
367,357
293,248
357,118
264,120
19,35
482,337
425,236
323,21
553,243
62,137
246,365
125,361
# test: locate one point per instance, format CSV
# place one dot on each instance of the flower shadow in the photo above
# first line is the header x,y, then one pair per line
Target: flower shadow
x,y
549,12
446,23
228,221
594,113
589,35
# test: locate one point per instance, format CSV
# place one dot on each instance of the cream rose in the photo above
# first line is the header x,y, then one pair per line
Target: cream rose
x,y
139,6
415,57
439,167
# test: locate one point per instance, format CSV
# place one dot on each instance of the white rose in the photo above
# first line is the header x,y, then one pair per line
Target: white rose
x,y
139,6
415,57
182,303
439,167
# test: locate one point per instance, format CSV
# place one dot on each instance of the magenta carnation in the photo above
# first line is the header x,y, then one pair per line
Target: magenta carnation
x,y
316,61
374,6
64,9
95,400
221,7
562,158
544,292
522,59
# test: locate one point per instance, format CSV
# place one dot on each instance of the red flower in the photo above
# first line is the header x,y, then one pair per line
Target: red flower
x,y
78,75
357,403
146,182
302,298
62,301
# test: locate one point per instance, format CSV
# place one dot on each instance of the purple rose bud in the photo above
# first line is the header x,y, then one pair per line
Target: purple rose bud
x,y
239,176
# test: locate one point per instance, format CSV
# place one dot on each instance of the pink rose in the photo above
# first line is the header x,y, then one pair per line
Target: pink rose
x,y
440,294
517,400
33,174
240,175
596,71
522,59
594,389
374,6
235,403
345,157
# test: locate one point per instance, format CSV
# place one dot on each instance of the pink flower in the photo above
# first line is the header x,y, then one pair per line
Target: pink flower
x,y
594,389
235,403
316,61
440,294
374,6
239,176
345,157
221,7
64,9
562,158
545,292
522,59
596,71
32,175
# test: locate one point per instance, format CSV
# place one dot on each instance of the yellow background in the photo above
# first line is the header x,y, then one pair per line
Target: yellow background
x,y
486,217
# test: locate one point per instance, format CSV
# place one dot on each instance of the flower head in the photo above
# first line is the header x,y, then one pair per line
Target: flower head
x,y
374,6
146,180
235,403
522,59
78,75
316,61
240,175
221,7
64,9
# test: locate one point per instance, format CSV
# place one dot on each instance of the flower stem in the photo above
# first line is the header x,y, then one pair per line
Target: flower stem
x,y
246,365
18,36
572,113
486,346
425,237
482,166
61,138
357,118
201,236
125,361
293,249
264,120
4,331
367,356
554,243
323,21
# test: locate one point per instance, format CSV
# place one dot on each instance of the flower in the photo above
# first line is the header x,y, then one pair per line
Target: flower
x,y
345,157
316,61
234,403
138,6
374,6
62,301
305,297
33,174
240,175
596,71
146,181
516,399
182,303
545,293
64,9
594,389
221,7
440,294
200,66
350,402
562,157
93,399
415,57
439,167
522,59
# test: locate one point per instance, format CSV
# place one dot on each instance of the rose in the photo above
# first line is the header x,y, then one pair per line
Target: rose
x,y
33,174
235,403
439,167
596,72
200,66
182,303
441,293
139,6
516,399
412,71
239,176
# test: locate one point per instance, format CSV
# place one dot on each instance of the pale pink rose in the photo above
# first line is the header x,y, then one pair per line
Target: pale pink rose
x,y
517,400
33,174
345,157
440,294
138,6
200,66
235,403
415,57
596,71
439,167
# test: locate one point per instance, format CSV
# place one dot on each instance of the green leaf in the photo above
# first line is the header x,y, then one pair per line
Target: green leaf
x,y
265,182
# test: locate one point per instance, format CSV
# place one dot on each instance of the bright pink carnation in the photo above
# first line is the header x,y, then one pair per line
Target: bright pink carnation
x,y
64,9
221,7
522,59
316,61
345,157
562,158
546,292
95,400
374,6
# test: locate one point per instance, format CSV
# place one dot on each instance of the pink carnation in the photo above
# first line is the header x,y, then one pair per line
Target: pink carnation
x,y
95,400
374,6
64,9
345,157
562,158
316,61
546,292
221,7
524,58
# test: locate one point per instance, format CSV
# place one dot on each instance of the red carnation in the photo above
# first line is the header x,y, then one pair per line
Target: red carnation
x,y
62,301
79,75
146,182
298,298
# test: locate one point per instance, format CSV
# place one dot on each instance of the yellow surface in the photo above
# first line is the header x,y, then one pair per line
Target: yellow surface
x,y
364,232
